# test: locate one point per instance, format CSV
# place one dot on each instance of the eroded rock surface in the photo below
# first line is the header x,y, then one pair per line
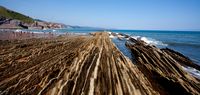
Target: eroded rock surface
x,y
69,65
163,68
82,65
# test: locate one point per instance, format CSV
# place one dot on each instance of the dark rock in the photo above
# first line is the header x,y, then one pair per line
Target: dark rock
x,y
183,60
163,69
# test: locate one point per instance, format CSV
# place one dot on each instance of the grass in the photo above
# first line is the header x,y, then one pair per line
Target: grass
x,y
14,15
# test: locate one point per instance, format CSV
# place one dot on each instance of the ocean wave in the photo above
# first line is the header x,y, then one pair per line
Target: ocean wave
x,y
38,32
26,31
150,41
81,33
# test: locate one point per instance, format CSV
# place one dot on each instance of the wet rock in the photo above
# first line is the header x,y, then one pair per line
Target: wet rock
x,y
163,69
183,60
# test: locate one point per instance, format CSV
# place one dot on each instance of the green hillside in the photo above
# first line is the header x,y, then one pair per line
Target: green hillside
x,y
14,15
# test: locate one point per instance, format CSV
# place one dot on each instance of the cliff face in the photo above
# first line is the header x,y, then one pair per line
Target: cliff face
x,y
14,23
6,13
89,65
12,19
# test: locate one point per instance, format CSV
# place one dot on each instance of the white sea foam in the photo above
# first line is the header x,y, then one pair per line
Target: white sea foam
x,y
109,33
78,33
37,32
111,36
192,71
149,41
18,30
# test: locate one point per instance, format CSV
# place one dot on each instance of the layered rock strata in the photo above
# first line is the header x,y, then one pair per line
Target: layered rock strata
x,y
82,65
163,68
69,65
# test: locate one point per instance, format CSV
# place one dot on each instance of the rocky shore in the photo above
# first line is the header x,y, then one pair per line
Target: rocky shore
x,y
92,65
163,68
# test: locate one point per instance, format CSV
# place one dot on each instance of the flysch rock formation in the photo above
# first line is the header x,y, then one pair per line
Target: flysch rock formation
x,y
69,65
89,65
163,68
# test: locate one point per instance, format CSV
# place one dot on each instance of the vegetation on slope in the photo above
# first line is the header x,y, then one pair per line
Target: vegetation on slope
x,y
14,15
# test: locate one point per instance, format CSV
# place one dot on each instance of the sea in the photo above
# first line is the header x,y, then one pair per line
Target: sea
x,y
185,42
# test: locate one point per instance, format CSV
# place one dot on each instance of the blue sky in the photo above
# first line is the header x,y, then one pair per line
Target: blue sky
x,y
120,14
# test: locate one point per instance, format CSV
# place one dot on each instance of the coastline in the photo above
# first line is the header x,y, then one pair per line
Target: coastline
x,y
9,34
89,65
18,34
